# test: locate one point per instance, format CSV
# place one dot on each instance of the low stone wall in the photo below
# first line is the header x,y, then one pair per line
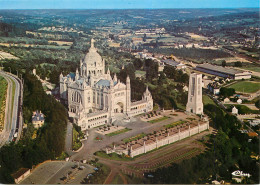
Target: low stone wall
x,y
159,143
170,139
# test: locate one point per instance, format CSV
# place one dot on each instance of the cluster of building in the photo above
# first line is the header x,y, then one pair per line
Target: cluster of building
x,y
153,31
94,97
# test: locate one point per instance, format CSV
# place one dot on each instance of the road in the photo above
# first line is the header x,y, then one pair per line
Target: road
x,y
13,117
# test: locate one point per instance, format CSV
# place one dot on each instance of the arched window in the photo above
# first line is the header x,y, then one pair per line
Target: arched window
x,y
76,97
106,101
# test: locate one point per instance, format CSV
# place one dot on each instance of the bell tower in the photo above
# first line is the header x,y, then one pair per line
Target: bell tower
x,y
195,104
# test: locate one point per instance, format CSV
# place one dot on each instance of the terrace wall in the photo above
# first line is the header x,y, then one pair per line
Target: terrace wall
x,y
162,142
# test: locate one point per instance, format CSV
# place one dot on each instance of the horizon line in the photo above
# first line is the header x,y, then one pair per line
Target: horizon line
x,y
125,8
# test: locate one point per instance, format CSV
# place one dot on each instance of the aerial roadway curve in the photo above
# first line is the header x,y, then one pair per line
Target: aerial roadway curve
x,y
13,113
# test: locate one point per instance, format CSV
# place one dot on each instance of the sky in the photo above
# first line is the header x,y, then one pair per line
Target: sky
x,y
126,4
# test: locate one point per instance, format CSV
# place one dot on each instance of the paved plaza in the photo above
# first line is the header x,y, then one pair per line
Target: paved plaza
x,y
51,173
91,145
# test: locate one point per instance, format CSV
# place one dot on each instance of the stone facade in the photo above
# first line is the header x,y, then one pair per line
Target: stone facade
x,y
195,104
170,136
94,97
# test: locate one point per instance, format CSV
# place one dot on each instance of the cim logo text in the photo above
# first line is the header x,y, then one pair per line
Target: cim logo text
x,y
239,173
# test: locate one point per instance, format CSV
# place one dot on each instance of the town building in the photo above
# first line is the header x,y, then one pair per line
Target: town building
x,y
254,122
95,98
239,101
226,100
234,110
37,119
223,71
174,63
21,174
214,88
195,104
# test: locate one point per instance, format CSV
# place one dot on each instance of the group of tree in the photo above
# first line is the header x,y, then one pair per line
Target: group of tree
x,y
227,92
164,92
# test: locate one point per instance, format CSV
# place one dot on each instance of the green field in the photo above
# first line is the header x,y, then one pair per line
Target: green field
x,y
118,132
117,180
3,90
113,156
158,119
207,100
246,86
256,69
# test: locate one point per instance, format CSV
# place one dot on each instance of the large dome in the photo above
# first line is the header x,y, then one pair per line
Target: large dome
x,y
92,56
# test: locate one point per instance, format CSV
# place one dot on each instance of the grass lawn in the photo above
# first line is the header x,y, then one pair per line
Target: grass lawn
x,y
207,100
158,119
174,124
98,177
256,69
140,73
3,93
117,180
76,144
113,156
139,136
118,132
246,86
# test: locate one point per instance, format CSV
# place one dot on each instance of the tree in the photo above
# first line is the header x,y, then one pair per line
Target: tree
x,y
226,92
238,64
224,63
257,104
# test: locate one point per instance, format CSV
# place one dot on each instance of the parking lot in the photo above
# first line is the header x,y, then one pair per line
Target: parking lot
x,y
55,172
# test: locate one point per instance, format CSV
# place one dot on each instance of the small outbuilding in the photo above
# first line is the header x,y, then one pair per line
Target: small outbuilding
x,y
21,174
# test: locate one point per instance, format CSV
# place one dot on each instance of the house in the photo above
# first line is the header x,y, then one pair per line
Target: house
x,y
252,134
185,88
37,119
174,63
226,100
234,110
239,101
254,122
21,174
214,88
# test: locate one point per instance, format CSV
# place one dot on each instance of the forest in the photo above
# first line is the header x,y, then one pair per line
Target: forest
x,y
50,139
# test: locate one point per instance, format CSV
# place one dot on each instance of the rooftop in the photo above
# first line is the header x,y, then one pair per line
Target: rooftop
x,y
37,116
20,172
220,69
172,62
105,83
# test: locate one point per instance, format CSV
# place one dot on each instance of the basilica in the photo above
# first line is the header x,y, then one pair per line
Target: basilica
x,y
95,98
